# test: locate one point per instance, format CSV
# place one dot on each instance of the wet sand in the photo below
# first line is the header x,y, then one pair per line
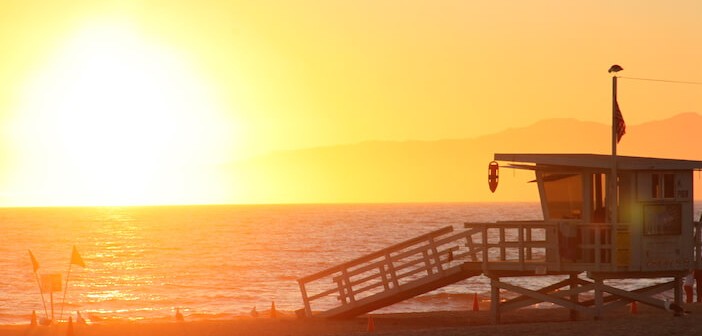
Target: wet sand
x,y
647,321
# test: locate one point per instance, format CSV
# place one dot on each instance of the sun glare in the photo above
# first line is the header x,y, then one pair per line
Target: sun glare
x,y
113,119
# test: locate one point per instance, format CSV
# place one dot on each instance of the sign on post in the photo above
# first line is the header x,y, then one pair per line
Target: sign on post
x,y
51,283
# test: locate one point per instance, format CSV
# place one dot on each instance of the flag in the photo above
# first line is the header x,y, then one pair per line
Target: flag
x,y
619,122
76,259
35,263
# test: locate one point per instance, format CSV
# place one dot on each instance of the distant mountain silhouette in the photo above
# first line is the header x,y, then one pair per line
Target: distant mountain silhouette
x,y
452,170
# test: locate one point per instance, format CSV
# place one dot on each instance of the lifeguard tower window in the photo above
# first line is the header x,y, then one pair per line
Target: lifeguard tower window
x,y
662,219
564,195
662,186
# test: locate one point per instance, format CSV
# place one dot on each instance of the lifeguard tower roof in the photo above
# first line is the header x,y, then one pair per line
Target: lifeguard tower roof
x,y
600,161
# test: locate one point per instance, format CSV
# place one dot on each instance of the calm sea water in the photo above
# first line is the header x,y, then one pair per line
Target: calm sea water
x,y
212,262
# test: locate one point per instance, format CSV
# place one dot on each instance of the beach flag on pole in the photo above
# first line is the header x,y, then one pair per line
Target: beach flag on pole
x,y
619,119
35,266
35,263
76,258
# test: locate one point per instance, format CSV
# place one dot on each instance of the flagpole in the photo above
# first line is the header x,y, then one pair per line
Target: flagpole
x,y
75,259
613,203
41,290
65,290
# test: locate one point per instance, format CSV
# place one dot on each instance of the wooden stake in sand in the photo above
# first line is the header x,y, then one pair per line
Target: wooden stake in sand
x,y
476,305
371,324
69,330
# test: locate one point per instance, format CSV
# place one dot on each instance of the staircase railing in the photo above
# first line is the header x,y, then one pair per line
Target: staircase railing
x,y
544,246
386,270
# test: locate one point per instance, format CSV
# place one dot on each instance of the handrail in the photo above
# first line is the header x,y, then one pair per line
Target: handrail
x,y
385,270
375,254
546,243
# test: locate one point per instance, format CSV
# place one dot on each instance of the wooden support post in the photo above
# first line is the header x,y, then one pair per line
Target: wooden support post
x,y
598,298
696,244
598,247
677,290
494,300
575,297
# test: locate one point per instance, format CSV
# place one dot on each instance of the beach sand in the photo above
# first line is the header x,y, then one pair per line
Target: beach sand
x,y
647,321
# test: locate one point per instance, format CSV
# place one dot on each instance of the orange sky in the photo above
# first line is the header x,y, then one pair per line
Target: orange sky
x,y
142,102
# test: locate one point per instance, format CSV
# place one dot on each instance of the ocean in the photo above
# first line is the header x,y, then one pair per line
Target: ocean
x,y
212,262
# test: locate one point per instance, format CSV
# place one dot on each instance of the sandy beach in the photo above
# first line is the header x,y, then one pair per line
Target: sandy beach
x,y
529,321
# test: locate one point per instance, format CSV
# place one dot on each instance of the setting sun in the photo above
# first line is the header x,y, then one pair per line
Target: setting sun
x,y
118,120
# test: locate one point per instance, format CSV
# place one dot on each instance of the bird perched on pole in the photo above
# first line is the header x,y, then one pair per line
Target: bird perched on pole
x,y
615,68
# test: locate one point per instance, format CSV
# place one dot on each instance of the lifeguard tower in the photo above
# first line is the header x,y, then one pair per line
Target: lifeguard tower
x,y
642,226
606,217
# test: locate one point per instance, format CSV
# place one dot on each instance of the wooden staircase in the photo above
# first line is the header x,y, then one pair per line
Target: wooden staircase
x,y
388,276
500,251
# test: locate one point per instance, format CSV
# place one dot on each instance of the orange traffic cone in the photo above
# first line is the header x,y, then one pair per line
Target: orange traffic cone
x,y
371,325
69,330
274,314
634,308
34,318
476,305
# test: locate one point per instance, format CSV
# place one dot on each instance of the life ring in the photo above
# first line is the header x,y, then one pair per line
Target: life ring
x,y
493,175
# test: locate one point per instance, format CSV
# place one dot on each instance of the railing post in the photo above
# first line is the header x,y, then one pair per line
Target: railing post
x,y
503,250
305,300
470,244
522,246
598,247
391,268
427,262
485,248
437,257
349,288
384,277
342,291
528,239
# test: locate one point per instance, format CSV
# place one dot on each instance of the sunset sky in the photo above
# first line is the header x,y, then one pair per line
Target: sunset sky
x,y
145,102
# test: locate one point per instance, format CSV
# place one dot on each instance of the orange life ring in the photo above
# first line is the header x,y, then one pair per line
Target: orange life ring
x,y
493,175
